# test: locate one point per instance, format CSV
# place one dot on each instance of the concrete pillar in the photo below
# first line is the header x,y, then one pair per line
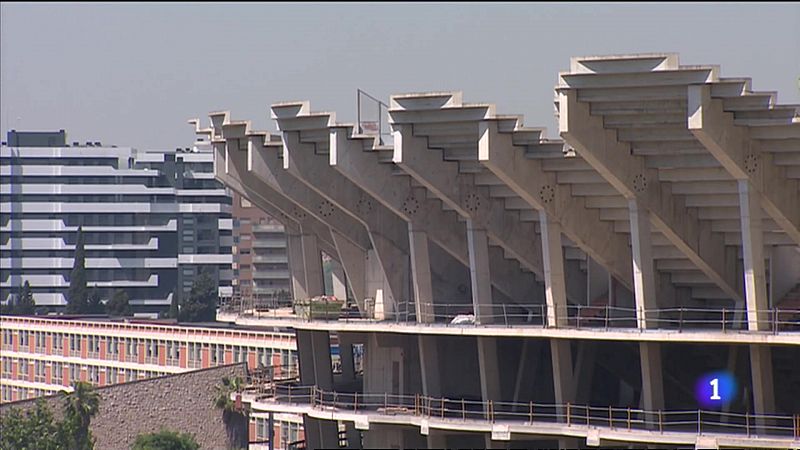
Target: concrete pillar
x,y
354,262
644,284
755,281
312,262
338,280
755,284
563,385
652,376
353,435
763,382
297,271
323,370
479,273
644,279
346,358
437,439
555,284
421,274
429,365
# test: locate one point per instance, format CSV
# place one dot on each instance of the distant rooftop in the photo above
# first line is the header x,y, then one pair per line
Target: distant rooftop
x,y
37,138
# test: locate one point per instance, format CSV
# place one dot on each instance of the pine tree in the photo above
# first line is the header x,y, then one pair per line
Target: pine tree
x,y
25,305
119,304
78,294
95,303
201,305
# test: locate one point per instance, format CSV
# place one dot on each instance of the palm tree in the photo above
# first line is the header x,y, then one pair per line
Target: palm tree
x,y
233,414
80,406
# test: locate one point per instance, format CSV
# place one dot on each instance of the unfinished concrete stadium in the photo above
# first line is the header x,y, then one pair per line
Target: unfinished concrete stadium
x,y
520,291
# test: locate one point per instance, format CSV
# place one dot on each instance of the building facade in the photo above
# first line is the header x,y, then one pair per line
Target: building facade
x,y
151,220
43,355
260,259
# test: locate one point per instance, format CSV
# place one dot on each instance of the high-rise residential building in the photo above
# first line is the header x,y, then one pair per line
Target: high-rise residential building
x,y
260,260
151,220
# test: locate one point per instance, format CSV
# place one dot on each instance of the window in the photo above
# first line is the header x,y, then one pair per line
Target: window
x,y
22,370
57,373
111,375
93,343
6,367
94,375
38,372
39,338
7,339
24,340
74,345
112,346
74,373
58,343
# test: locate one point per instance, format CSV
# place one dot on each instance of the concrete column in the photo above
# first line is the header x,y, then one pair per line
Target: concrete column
x,y
421,274
755,281
652,376
763,382
321,348
437,439
756,297
563,385
429,365
353,435
489,367
479,273
346,358
297,271
354,262
339,281
644,280
312,262
555,284
644,283
305,353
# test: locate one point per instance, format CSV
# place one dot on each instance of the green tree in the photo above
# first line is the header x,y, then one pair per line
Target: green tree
x,y
173,306
34,430
201,305
95,303
119,304
23,305
234,414
78,294
80,406
165,440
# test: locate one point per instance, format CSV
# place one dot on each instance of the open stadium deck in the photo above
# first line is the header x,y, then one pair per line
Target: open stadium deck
x,y
656,240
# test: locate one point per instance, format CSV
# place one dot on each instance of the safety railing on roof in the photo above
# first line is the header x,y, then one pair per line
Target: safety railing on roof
x,y
572,316
616,418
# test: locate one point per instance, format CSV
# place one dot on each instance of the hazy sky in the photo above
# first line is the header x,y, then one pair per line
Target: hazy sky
x,y
132,74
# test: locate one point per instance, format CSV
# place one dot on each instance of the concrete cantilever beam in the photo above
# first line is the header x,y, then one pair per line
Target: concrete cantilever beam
x,y
630,176
356,158
308,134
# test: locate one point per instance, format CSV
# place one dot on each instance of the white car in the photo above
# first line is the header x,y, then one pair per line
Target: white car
x,y
463,318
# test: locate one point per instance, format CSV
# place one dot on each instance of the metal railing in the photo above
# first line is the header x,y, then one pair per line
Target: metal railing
x,y
373,116
572,316
615,418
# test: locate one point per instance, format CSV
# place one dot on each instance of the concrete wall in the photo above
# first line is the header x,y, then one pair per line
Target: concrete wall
x,y
182,402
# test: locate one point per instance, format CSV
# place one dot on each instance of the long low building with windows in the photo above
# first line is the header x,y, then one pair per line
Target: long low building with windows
x,y
44,355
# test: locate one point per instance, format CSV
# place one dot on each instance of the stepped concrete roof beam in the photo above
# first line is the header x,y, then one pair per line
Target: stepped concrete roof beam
x,y
308,134
369,165
233,173
457,188
629,124
305,144
743,145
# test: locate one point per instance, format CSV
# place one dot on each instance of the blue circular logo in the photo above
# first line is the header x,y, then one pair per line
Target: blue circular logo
x,y
714,390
